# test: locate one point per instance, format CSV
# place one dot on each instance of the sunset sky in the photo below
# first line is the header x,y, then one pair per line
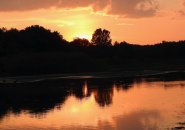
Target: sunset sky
x,y
134,21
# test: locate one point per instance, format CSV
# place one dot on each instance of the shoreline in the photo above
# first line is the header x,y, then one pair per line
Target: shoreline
x,y
91,76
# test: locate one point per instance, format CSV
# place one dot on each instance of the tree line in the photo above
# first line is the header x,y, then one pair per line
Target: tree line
x,y
40,50
38,39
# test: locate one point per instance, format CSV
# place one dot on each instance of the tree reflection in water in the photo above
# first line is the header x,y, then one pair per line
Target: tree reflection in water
x,y
39,98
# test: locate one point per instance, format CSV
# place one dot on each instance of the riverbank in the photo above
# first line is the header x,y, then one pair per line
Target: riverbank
x,y
95,75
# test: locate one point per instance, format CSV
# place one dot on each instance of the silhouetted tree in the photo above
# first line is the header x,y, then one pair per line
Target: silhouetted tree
x,y
101,38
3,29
81,42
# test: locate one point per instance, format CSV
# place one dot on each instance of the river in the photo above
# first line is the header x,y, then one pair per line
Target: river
x,y
129,104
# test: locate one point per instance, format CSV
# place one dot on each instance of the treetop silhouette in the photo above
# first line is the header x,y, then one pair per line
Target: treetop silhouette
x,y
101,37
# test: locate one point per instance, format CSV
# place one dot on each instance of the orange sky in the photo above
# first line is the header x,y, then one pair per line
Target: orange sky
x,y
136,21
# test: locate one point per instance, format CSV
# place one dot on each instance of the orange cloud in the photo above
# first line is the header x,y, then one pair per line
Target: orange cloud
x,y
134,8
19,5
181,11
126,8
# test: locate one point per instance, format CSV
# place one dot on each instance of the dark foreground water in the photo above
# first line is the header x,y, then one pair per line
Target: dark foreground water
x,y
90,105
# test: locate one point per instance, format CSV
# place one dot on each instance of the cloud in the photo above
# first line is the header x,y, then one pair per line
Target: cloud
x,y
126,8
124,24
184,2
134,8
20,5
181,12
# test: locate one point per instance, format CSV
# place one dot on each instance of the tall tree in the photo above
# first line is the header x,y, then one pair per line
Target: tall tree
x,y
101,37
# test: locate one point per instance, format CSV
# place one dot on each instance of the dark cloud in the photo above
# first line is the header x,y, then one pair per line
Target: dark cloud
x,y
127,8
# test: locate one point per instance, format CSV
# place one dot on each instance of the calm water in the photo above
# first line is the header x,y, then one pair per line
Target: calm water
x,y
91,105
